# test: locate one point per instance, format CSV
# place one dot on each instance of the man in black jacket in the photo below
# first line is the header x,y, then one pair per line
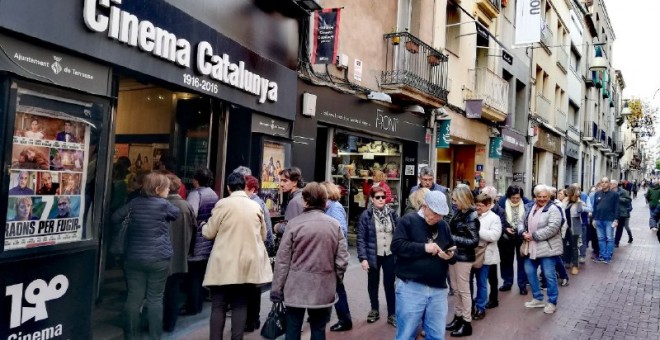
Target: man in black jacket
x,y
422,245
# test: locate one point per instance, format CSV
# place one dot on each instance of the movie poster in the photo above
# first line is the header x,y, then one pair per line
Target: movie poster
x,y
273,161
46,179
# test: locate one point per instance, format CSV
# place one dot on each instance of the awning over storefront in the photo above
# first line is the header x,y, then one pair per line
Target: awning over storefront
x,y
548,141
512,140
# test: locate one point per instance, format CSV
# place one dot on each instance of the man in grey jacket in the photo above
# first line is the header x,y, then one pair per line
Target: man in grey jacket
x,y
606,212
625,207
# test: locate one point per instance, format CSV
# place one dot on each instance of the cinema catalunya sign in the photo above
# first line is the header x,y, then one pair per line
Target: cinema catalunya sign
x,y
128,29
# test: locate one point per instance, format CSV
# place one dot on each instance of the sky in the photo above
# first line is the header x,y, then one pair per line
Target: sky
x,y
636,49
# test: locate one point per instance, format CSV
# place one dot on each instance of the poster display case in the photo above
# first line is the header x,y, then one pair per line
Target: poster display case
x,y
51,168
274,157
355,160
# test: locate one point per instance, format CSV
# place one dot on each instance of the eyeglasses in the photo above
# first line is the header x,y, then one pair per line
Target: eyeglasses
x,y
379,197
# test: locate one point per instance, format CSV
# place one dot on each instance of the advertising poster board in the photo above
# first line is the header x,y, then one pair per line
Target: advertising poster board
x,y
48,173
272,162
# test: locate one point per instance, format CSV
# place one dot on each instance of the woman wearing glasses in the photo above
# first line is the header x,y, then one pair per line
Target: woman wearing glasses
x,y
375,230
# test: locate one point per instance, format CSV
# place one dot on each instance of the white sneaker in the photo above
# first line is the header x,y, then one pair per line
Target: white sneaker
x,y
535,304
654,229
549,308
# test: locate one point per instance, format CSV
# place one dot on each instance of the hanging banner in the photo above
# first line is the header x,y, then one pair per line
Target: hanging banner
x,y
442,134
325,39
495,148
473,108
528,22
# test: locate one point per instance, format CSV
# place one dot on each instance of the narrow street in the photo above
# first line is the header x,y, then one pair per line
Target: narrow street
x,y
616,301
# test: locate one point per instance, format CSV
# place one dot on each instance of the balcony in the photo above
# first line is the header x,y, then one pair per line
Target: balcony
x,y
493,90
543,106
590,133
562,59
619,148
490,8
602,141
561,121
546,38
414,70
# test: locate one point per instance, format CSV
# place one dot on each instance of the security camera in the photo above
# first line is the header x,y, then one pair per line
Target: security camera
x,y
440,113
380,96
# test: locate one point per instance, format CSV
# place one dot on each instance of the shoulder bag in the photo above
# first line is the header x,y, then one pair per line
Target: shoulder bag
x,y
275,325
119,241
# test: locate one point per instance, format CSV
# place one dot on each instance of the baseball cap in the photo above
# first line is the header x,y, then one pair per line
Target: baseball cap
x,y
437,202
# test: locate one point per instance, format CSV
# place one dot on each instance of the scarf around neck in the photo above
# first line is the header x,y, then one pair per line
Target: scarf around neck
x,y
508,208
383,215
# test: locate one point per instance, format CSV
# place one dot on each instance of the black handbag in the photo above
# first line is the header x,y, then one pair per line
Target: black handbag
x,y
275,325
119,241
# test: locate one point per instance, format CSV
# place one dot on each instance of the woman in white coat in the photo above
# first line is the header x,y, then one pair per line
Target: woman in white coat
x,y
489,233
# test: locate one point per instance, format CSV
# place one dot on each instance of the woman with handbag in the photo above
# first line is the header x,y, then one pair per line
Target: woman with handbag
x,y
375,233
490,230
148,253
464,226
510,242
311,259
541,233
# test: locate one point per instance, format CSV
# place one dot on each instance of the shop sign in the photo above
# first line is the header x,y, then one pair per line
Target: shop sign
x,y
508,58
442,134
59,68
160,40
519,177
495,148
548,141
270,126
513,141
572,150
473,108
49,299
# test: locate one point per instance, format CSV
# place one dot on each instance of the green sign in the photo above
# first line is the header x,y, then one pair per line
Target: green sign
x,y
442,134
495,148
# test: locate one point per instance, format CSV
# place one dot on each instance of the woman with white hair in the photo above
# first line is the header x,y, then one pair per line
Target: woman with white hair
x,y
541,230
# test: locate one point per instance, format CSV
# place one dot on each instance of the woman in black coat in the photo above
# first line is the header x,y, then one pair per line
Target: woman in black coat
x,y
464,226
375,231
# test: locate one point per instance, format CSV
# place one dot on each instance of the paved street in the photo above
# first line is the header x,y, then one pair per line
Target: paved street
x,y
616,301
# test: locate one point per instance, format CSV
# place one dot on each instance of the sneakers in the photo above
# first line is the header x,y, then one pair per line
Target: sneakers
x,y
373,316
535,304
549,308
599,260
583,259
654,229
563,282
392,320
575,270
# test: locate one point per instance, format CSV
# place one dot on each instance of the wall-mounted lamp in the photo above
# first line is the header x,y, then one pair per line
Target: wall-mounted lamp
x,y
599,63
414,109
379,96
625,111
440,113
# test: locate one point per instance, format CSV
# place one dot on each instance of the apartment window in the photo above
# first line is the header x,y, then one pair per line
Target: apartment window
x,y
453,31
573,114
575,59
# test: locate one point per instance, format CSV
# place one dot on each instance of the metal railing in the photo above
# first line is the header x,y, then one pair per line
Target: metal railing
x,y
590,132
561,120
542,106
546,36
409,61
562,58
491,88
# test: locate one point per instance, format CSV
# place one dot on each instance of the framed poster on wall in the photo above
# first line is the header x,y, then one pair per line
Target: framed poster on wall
x,y
274,158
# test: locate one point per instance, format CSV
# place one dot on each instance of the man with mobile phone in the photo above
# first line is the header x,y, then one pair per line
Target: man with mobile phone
x,y
424,249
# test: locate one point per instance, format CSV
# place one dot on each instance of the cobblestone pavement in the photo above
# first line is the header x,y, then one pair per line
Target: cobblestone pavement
x,y
620,300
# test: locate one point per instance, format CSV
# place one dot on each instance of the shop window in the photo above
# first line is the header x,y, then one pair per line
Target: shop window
x,y
52,169
358,163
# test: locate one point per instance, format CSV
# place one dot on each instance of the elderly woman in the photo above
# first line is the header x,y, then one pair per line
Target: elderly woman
x,y
490,231
416,200
541,229
311,259
148,253
335,210
464,226
509,243
375,232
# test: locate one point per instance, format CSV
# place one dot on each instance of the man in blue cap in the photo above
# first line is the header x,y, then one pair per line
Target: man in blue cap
x,y
423,245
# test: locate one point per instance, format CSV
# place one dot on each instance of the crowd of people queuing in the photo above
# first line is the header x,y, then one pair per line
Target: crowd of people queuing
x,y
445,244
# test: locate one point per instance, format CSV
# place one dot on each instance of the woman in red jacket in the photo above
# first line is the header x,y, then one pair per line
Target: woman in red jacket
x,y
379,180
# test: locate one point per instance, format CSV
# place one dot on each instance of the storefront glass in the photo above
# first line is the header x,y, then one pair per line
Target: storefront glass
x,y
355,161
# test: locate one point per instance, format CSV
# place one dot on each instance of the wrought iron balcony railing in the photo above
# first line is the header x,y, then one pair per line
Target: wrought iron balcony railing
x,y
411,62
491,88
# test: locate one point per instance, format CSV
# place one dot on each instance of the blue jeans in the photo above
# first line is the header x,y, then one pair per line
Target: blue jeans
x,y
652,222
482,287
418,303
585,240
605,239
548,268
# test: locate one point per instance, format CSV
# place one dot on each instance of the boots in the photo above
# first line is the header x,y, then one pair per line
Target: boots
x,y
465,330
455,324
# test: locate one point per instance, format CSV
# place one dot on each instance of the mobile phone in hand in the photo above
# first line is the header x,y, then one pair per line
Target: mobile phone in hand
x,y
452,248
